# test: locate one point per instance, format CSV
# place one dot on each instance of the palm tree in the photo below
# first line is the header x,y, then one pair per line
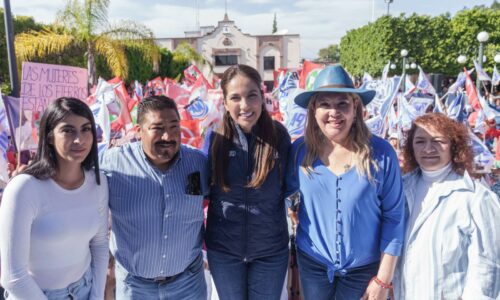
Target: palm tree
x,y
86,25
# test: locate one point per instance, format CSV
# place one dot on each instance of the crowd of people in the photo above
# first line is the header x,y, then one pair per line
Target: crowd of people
x,y
368,224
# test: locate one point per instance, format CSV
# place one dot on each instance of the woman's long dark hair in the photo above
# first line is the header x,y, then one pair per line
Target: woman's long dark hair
x,y
266,131
44,164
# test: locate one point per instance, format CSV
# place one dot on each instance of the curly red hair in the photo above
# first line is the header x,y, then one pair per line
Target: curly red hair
x,y
461,152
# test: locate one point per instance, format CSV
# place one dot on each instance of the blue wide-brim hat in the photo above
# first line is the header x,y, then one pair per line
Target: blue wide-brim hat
x,y
333,79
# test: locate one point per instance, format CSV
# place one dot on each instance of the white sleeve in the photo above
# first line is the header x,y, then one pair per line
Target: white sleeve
x,y
483,271
99,246
17,213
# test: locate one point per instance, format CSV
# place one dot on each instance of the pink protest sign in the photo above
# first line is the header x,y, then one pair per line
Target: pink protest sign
x,y
40,85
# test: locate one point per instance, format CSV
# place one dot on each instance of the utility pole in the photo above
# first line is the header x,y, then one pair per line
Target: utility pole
x,y
11,54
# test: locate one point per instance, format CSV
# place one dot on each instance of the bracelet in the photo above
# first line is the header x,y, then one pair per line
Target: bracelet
x,y
381,283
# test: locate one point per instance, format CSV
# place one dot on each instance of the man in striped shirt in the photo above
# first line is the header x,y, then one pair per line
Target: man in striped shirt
x,y
156,189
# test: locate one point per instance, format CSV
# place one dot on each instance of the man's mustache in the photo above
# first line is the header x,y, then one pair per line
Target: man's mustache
x,y
166,143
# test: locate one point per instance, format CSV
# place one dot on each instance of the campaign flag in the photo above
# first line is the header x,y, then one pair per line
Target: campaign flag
x,y
471,92
367,77
295,121
495,79
392,120
489,112
480,122
177,93
104,95
385,71
481,74
376,125
455,107
423,83
409,86
138,90
278,76
459,83
311,78
407,113
421,103
438,105
483,159
121,103
192,74
386,91
307,67
190,133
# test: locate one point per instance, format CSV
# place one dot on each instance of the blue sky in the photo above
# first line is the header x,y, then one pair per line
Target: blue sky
x,y
319,22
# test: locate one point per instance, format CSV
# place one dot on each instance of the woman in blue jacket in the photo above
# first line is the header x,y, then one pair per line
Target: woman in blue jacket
x,y
247,237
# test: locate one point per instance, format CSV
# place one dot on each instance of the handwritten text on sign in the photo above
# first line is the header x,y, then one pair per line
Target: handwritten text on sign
x,y
43,83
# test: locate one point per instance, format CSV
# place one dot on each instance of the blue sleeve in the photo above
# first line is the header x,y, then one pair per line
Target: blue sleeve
x,y
292,183
392,202
206,144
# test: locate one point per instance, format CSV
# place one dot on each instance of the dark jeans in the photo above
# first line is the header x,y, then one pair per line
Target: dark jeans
x,y
316,285
259,279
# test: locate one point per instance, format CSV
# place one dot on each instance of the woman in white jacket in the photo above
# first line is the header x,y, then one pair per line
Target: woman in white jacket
x,y
452,240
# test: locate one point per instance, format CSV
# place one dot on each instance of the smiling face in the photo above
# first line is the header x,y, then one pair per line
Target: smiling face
x,y
432,149
243,101
335,114
160,134
72,139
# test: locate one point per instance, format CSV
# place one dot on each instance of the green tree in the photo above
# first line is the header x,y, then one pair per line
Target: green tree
x,y
329,54
21,24
85,24
495,5
275,24
434,43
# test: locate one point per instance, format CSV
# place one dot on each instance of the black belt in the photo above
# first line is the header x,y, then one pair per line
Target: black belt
x,y
168,279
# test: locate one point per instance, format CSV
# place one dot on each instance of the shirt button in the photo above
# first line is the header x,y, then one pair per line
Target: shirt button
x,y
164,256
339,222
167,195
161,271
166,215
165,236
339,211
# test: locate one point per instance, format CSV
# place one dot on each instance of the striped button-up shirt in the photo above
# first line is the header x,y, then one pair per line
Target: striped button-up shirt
x,y
156,224
453,250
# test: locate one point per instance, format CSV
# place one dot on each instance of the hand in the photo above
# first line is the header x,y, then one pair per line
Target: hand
x,y
295,219
375,292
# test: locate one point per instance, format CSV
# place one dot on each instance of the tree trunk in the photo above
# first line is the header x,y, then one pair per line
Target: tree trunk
x,y
91,70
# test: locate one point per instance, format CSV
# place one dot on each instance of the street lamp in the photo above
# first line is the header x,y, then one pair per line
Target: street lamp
x,y
388,4
497,58
482,38
413,65
393,66
404,54
461,59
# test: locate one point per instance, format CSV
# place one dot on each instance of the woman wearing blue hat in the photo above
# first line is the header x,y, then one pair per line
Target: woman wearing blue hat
x,y
351,217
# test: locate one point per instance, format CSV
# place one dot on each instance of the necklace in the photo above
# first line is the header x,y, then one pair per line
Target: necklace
x,y
348,166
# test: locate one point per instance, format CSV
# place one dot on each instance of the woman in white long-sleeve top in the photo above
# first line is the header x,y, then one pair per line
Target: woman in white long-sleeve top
x,y
54,215
452,241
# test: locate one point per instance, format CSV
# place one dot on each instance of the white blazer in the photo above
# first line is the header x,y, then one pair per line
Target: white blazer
x,y
453,250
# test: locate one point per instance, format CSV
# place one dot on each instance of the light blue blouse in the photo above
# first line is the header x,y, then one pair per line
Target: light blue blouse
x,y
345,221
